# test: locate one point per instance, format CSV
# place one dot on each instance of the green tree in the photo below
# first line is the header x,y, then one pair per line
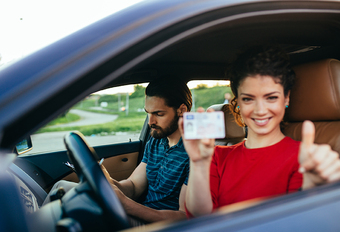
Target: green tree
x,y
202,86
139,91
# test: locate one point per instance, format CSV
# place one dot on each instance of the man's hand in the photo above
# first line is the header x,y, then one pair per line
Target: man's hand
x,y
318,163
197,149
107,175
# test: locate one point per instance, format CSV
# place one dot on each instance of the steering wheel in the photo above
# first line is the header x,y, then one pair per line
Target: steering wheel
x,y
88,170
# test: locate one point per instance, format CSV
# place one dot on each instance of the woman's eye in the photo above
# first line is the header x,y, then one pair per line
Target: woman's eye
x,y
272,98
246,99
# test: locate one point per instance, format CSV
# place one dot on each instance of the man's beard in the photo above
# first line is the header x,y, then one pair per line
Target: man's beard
x,y
162,133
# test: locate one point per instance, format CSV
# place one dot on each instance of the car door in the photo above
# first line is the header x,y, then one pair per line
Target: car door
x,y
122,151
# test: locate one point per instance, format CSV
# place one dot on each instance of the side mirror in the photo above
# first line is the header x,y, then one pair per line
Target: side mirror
x,y
24,146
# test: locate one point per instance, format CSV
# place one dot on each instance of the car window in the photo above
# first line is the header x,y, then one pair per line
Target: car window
x,y
208,93
115,115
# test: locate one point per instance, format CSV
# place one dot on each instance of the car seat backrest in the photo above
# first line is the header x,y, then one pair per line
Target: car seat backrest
x,y
233,132
316,97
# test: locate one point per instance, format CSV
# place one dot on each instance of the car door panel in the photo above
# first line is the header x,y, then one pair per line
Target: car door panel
x,y
48,168
119,167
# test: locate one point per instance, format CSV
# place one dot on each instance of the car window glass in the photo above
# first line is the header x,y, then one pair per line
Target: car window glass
x,y
115,115
208,93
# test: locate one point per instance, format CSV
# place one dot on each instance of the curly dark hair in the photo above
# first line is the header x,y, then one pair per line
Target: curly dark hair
x,y
261,60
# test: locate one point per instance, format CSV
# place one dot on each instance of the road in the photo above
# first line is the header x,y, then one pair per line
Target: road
x,y
88,118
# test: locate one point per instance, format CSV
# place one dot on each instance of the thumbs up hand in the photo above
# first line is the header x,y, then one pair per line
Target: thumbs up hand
x,y
318,163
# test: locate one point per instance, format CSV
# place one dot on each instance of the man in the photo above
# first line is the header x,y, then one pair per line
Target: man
x,y
164,169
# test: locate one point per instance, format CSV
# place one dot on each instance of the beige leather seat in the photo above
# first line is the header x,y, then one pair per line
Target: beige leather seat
x,y
316,97
234,133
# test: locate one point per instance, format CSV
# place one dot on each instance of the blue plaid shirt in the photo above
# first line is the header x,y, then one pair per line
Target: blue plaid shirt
x,y
167,169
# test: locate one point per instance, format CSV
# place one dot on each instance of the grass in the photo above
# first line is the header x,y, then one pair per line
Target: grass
x,y
135,105
210,96
134,121
64,119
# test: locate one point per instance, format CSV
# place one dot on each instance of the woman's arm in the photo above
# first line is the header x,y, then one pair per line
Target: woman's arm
x,y
198,197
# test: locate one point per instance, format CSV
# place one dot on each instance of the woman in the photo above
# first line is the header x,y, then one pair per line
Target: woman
x,y
268,163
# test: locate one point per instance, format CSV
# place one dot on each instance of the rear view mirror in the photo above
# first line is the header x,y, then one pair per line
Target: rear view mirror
x,y
24,146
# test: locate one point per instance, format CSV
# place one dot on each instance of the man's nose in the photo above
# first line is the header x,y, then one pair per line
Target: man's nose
x,y
152,119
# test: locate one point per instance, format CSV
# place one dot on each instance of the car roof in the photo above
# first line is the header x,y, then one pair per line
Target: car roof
x,y
189,39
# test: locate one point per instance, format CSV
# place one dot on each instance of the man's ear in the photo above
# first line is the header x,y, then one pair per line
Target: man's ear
x,y
181,109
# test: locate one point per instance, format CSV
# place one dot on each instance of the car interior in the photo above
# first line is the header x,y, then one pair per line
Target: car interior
x,y
199,48
316,97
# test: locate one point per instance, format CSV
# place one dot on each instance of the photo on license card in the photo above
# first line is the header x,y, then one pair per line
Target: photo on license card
x,y
203,125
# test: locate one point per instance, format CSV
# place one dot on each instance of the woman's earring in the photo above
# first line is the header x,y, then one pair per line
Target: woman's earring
x,y
286,106
238,107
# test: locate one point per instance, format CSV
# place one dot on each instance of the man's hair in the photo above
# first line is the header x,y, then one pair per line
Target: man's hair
x,y
175,92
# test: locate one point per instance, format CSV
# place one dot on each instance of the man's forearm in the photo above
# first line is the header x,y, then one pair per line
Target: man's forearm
x,y
151,215
126,186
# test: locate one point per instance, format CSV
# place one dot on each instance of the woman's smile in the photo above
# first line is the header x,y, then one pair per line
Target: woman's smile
x,y
261,122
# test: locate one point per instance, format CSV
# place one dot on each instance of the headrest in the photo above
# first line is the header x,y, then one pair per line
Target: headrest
x,y
232,130
316,93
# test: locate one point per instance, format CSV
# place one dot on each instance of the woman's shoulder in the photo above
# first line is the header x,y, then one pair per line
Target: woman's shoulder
x,y
288,147
291,142
227,149
224,153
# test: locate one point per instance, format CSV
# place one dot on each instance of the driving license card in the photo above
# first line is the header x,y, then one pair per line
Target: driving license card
x,y
204,125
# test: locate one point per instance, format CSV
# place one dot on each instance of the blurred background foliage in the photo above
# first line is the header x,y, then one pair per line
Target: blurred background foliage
x,y
131,116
